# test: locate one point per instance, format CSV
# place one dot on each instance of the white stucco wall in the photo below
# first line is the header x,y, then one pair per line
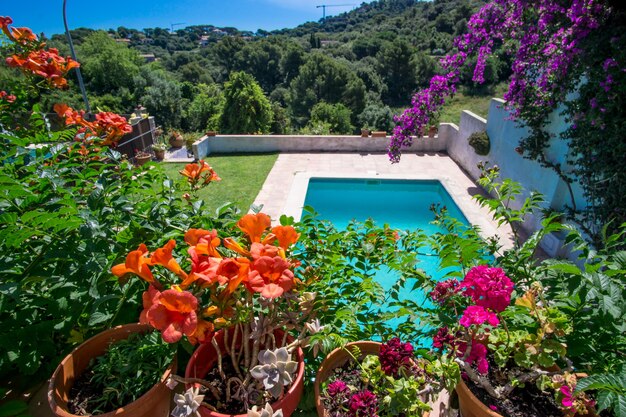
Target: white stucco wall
x,y
289,143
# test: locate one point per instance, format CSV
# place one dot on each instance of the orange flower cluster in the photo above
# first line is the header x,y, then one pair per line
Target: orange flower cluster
x,y
34,59
108,127
200,174
260,268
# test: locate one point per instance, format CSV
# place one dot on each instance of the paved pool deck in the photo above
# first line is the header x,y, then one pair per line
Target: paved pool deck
x,y
285,187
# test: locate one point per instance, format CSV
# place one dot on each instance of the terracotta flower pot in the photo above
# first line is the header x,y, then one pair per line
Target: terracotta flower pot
x,y
141,160
379,134
205,358
211,133
177,141
470,406
432,131
160,155
155,402
365,133
336,359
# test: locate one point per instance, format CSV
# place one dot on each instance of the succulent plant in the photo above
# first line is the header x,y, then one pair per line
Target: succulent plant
x,y
264,412
275,370
187,404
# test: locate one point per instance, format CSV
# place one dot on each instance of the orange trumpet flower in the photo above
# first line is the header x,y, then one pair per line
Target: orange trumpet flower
x,y
253,225
136,263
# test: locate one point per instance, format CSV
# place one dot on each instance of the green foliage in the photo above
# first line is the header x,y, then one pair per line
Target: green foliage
x,y
205,110
161,95
246,108
128,369
396,65
107,65
377,117
610,391
337,116
480,142
324,79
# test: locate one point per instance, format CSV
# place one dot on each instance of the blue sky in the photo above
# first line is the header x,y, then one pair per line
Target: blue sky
x,y
46,15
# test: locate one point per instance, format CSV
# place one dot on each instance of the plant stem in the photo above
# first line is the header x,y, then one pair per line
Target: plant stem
x,y
216,394
219,357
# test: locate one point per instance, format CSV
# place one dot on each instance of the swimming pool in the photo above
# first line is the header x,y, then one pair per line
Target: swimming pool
x,y
402,204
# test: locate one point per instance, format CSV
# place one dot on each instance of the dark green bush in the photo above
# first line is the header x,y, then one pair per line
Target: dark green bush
x,y
480,142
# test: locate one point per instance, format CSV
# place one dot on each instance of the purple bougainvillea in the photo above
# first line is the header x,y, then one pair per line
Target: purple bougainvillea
x,y
544,38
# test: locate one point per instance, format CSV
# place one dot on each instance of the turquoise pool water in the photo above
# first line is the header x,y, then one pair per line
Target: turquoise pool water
x,y
403,204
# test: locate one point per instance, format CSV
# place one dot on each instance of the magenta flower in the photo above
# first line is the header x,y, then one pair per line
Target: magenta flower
x,y
363,404
568,400
477,355
489,287
444,290
443,338
478,315
337,388
393,355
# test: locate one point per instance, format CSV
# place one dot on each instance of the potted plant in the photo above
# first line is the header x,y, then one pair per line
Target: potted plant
x,y
365,132
142,157
159,149
242,303
506,346
176,139
373,379
379,134
121,371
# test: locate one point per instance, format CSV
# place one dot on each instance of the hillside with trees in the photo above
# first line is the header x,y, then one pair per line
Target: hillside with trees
x,y
348,72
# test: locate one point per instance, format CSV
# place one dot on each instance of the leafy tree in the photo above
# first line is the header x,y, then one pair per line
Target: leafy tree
x,y
377,117
281,124
107,65
161,95
396,64
205,110
337,116
323,79
261,59
246,109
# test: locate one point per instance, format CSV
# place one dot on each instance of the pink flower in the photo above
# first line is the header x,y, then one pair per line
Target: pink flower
x,y
444,290
443,338
488,287
477,355
478,315
567,400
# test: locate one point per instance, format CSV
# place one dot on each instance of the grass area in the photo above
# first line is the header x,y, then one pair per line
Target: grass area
x,y
242,178
479,104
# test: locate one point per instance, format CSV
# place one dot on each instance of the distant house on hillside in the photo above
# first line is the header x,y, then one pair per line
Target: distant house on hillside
x,y
125,41
204,40
329,43
148,57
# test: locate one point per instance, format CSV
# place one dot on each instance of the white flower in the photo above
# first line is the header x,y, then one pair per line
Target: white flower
x,y
264,412
187,404
314,326
170,383
275,370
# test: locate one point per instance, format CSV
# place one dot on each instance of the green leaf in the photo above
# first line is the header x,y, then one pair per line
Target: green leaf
x,y
98,318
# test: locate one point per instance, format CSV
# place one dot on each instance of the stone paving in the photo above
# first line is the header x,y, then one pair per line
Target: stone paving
x,y
285,187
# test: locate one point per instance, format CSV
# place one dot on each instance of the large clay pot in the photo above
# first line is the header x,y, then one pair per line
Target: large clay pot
x,y
336,359
205,358
155,402
159,155
470,406
432,131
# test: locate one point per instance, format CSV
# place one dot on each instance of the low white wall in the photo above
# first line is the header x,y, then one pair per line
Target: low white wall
x,y
288,143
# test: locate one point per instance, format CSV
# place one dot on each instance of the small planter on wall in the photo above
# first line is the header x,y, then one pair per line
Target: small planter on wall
x,y
211,133
379,134
365,133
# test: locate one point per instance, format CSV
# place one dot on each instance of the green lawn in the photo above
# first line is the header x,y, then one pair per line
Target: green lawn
x,y
478,104
242,178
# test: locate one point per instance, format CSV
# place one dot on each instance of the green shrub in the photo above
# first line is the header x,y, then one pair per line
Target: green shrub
x,y
480,142
337,116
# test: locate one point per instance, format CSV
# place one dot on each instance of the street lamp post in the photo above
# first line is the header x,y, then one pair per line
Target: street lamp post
x,y
81,83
